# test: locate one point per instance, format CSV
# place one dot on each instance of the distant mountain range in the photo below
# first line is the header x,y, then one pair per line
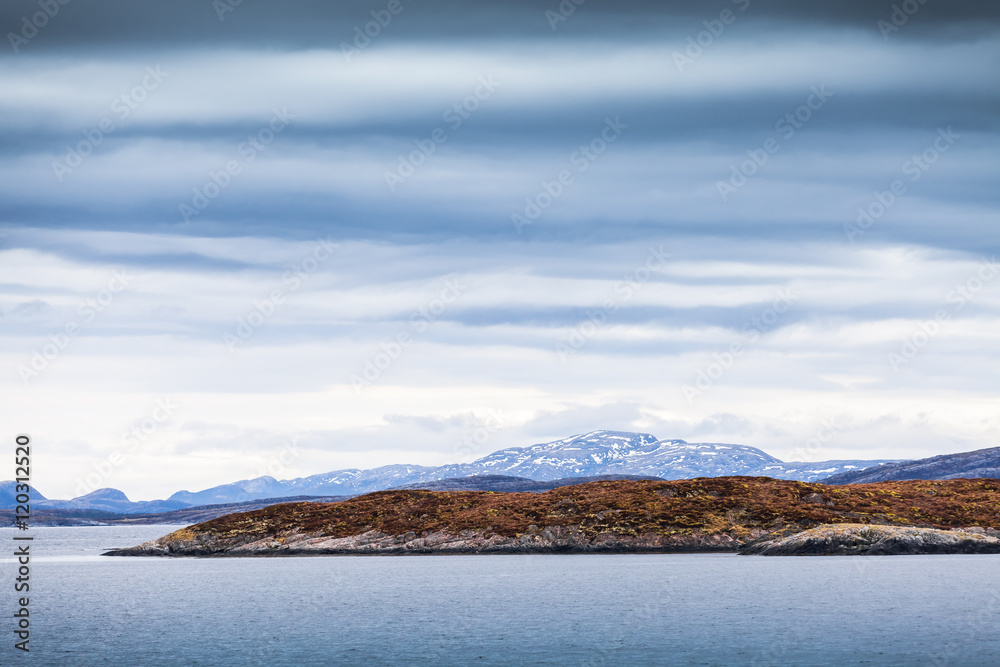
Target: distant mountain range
x,y
104,500
966,465
589,455
186,516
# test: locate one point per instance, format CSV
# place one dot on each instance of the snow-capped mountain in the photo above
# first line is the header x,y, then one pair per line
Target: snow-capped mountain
x,y
338,483
572,457
616,452
595,453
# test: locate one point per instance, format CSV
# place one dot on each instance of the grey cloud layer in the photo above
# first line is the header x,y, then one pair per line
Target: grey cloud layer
x,y
352,122
104,24
820,115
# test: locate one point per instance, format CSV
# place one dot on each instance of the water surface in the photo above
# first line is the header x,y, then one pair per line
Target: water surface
x,y
701,609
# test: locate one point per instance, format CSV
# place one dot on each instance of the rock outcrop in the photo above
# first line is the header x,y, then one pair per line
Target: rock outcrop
x,y
855,539
554,539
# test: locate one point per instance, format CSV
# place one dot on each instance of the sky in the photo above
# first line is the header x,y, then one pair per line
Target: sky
x,y
246,238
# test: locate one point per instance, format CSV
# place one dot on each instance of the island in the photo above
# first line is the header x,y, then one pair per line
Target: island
x,y
750,515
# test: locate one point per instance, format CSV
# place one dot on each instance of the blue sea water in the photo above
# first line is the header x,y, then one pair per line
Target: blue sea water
x,y
700,609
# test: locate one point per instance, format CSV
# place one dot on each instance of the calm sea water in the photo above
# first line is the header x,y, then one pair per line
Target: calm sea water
x,y
496,610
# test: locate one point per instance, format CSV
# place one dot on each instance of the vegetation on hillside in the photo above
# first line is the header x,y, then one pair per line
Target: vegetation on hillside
x,y
735,505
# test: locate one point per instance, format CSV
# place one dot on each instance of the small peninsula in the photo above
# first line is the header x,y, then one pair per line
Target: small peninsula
x,y
752,515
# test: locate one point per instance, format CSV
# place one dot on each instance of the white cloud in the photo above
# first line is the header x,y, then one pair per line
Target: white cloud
x,y
163,338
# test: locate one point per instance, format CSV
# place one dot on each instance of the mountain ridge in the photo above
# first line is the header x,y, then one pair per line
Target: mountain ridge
x,y
592,454
963,465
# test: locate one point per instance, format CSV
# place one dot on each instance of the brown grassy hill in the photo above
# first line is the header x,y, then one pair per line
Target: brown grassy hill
x,y
736,508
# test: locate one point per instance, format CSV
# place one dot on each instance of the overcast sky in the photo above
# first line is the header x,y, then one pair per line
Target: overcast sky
x,y
244,239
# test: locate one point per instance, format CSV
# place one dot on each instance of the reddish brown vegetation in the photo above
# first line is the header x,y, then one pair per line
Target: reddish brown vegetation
x,y
733,504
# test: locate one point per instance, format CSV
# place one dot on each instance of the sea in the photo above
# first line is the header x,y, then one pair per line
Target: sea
x,y
663,609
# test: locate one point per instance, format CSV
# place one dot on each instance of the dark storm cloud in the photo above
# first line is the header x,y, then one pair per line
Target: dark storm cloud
x,y
686,130
684,136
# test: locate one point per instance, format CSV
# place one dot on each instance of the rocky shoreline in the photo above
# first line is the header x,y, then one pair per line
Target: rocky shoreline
x,y
826,540
554,539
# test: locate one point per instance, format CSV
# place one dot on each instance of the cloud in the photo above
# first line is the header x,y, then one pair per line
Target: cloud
x,y
305,24
723,423
433,423
116,115
578,419
30,309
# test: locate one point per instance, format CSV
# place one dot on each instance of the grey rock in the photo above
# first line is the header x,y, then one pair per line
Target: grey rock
x,y
875,540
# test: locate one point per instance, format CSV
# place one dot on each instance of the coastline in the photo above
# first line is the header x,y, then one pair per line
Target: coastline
x,y
825,540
